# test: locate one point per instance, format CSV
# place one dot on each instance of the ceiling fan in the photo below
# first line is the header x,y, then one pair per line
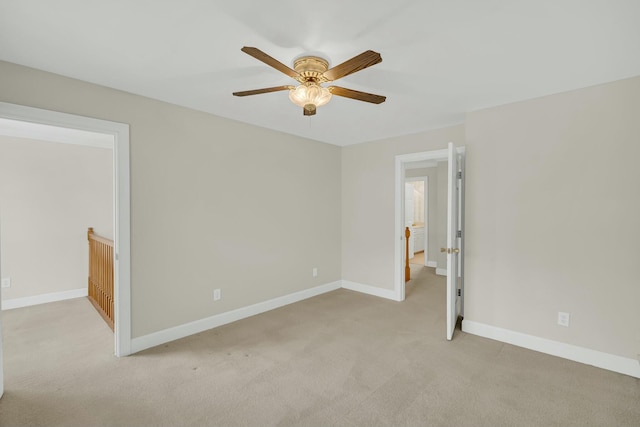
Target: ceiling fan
x,y
311,72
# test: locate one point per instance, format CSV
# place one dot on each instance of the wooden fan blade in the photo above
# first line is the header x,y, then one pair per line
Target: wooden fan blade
x,y
357,63
265,90
272,62
355,94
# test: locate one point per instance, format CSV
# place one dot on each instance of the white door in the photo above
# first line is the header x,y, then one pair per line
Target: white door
x,y
452,240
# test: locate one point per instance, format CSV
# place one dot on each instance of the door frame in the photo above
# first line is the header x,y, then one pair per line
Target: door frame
x,y
119,133
400,174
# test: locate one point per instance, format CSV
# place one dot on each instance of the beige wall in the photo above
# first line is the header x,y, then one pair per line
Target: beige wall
x,y
552,217
551,220
193,228
50,193
368,199
552,208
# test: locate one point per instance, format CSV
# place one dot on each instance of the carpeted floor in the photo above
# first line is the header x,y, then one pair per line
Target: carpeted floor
x,y
418,258
339,359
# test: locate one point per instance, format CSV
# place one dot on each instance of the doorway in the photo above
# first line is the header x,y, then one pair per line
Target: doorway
x,y
417,217
34,120
453,245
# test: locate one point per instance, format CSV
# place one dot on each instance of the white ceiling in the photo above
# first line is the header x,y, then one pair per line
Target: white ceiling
x,y
441,58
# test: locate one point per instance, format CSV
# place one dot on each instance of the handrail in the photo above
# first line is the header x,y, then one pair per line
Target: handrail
x,y
100,281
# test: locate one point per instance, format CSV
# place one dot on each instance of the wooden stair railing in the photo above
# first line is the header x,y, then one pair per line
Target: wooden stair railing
x,y
100,291
407,270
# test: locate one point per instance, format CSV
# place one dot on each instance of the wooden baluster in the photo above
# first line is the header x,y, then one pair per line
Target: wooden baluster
x,y
110,280
407,270
101,275
89,233
100,280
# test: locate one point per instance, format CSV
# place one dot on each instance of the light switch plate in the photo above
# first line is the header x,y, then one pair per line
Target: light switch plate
x,y
6,282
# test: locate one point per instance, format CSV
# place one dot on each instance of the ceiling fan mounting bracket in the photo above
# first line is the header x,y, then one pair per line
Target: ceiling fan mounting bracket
x,y
311,68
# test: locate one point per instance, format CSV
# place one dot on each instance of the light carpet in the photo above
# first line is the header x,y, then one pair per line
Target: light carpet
x,y
339,359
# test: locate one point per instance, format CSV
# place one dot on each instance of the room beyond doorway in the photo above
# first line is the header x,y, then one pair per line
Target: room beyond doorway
x,y
118,135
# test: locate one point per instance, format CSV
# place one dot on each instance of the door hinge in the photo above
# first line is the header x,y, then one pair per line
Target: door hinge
x,y
459,174
459,233
459,292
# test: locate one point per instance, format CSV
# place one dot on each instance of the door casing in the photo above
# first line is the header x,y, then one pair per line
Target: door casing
x,y
400,174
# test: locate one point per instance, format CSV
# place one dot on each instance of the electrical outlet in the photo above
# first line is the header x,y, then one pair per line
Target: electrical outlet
x,y
217,294
314,272
563,319
6,282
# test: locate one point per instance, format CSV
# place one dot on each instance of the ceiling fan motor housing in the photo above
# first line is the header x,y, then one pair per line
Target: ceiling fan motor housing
x,y
311,68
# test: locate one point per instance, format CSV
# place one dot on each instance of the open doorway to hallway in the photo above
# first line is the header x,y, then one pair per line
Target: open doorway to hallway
x,y
426,214
118,134
443,171
417,223
119,137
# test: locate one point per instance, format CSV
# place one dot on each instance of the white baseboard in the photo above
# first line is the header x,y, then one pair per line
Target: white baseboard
x,y
8,304
587,356
441,271
433,264
177,332
370,290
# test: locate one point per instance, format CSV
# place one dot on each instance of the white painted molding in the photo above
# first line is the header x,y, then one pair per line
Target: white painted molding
x,y
370,290
587,356
9,304
441,271
58,134
433,264
177,332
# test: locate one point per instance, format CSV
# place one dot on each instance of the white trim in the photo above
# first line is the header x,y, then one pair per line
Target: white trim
x,y
399,251
122,221
12,303
433,264
177,332
587,356
441,271
42,132
122,243
371,290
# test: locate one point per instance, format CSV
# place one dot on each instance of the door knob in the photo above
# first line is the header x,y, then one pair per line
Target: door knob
x,y
450,251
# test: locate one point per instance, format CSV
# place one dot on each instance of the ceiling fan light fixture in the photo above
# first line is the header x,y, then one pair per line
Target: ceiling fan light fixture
x,y
311,72
309,95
